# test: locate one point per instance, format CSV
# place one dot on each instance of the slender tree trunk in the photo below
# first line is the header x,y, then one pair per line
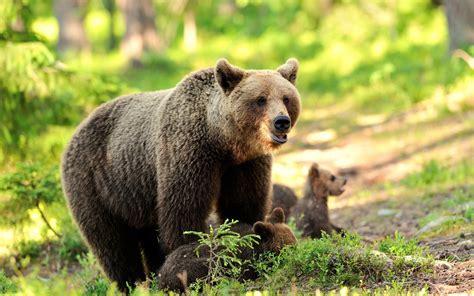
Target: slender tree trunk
x,y
460,17
140,30
111,9
71,15
190,32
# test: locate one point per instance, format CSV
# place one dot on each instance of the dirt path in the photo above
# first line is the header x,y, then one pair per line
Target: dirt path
x,y
375,157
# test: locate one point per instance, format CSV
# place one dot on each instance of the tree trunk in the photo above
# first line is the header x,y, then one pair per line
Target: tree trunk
x,y
71,15
111,8
460,17
190,32
140,34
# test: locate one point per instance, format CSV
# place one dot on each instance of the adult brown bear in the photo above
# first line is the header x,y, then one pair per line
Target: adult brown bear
x,y
143,168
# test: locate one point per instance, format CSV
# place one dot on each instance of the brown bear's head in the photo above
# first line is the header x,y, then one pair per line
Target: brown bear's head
x,y
274,234
262,105
322,183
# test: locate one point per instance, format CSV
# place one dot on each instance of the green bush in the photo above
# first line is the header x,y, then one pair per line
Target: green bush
x,y
224,245
6,285
399,246
38,90
91,278
32,186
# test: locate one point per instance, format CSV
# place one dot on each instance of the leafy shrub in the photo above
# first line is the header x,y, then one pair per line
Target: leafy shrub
x,y
28,248
32,186
224,245
38,90
399,246
6,285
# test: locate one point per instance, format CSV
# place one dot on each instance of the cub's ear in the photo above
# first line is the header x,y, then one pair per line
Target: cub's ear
x,y
227,75
264,230
314,171
277,216
289,70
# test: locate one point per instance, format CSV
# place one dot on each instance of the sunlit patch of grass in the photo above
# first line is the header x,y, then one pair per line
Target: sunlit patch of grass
x,y
335,261
433,173
455,213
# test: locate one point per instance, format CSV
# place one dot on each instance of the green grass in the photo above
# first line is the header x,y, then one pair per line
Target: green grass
x,y
454,186
326,264
336,261
433,173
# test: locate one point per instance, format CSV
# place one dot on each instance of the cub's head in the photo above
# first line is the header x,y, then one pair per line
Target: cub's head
x,y
322,183
263,105
274,234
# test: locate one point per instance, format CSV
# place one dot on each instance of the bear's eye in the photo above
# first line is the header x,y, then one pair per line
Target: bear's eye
x,y
286,101
333,178
261,101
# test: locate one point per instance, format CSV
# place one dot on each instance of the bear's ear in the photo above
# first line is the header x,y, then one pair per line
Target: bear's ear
x,y
264,230
314,171
227,75
277,216
289,70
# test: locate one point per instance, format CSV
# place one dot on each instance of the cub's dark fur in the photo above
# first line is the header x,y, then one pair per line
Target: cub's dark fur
x,y
183,267
283,197
311,212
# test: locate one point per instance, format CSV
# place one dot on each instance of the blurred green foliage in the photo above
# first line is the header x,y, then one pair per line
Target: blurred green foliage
x,y
6,285
434,173
31,187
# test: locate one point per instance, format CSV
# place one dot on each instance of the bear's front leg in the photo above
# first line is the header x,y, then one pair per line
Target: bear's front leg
x,y
186,190
245,191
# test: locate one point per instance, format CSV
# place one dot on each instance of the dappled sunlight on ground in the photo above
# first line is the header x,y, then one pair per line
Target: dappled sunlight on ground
x,y
375,156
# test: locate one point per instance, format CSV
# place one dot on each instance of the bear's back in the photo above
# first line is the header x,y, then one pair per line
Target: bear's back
x,y
111,151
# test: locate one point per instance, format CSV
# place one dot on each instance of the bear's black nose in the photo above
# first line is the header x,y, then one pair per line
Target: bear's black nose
x,y
282,123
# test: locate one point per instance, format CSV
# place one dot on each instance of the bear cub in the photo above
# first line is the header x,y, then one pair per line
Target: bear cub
x,y
183,267
284,197
311,212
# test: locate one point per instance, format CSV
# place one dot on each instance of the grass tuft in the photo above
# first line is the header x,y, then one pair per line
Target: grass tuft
x,y
335,261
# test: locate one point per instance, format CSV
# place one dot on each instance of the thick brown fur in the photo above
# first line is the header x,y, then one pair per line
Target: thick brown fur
x,y
311,212
144,168
283,197
274,236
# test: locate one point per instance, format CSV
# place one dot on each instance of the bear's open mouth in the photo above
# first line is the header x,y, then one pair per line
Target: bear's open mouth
x,y
279,139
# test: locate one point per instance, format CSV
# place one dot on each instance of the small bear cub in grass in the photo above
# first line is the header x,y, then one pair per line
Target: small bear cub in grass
x,y
183,267
311,212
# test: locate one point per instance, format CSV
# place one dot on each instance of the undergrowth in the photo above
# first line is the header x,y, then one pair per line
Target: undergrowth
x,y
336,261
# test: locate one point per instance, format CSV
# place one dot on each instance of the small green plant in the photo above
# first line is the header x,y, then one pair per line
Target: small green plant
x,y
6,285
399,246
32,186
224,246
28,248
92,280
71,245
